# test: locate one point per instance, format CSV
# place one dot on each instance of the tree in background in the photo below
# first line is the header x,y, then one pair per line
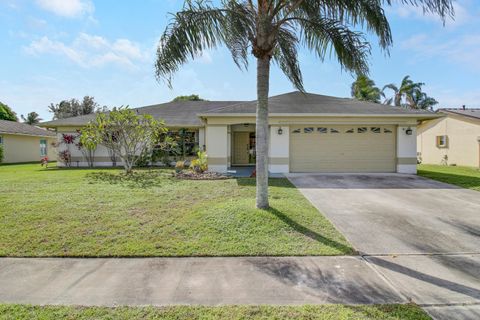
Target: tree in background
x,y
273,31
74,108
32,118
126,133
364,89
421,100
402,93
192,97
6,113
409,95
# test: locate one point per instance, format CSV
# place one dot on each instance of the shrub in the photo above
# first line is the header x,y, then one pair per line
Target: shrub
x,y
65,157
44,162
1,153
179,166
200,164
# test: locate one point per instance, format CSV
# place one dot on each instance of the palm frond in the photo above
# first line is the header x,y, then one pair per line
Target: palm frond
x,y
390,86
328,36
201,26
367,14
286,56
443,8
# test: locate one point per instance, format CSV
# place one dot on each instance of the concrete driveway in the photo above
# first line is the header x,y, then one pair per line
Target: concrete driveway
x,y
421,235
393,214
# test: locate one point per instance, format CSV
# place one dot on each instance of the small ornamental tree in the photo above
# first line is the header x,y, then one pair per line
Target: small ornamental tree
x,y
126,133
87,144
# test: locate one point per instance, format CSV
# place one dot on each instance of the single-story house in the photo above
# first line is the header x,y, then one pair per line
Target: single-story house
x,y
451,139
25,143
308,133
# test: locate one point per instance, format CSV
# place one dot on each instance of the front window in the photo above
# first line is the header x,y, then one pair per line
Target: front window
x,y
43,147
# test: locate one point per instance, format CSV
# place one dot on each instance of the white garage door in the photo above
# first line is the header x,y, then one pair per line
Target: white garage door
x,y
342,148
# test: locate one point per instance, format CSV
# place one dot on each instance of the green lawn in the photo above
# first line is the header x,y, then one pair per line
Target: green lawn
x,y
80,212
338,312
465,177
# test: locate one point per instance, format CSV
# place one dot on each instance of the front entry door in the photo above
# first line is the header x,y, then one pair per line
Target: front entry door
x,y
241,147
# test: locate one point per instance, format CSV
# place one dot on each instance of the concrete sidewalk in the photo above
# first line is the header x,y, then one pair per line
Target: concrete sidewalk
x,y
438,283
206,281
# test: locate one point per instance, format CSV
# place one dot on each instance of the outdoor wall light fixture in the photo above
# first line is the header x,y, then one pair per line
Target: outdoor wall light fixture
x,y
409,131
280,131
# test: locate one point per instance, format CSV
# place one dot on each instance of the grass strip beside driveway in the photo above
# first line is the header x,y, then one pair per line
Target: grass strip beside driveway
x,y
465,177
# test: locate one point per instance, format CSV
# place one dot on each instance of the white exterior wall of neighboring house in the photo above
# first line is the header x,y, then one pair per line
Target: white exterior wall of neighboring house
x,y
279,149
406,150
462,137
217,147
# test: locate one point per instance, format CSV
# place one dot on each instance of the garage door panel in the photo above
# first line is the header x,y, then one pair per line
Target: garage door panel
x,y
342,151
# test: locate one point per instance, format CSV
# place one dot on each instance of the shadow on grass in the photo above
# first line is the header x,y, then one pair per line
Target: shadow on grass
x,y
469,182
272,182
310,233
137,179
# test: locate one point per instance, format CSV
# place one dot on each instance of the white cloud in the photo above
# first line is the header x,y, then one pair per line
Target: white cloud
x,y
461,13
91,51
463,50
67,8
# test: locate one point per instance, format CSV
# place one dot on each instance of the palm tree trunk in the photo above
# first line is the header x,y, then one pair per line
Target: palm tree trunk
x,y
263,79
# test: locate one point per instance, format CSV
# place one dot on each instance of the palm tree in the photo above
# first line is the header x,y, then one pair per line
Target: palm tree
x,y
273,31
421,100
364,89
405,92
32,118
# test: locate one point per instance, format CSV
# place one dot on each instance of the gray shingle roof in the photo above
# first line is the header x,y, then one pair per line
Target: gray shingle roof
x,y
12,127
308,103
472,113
181,113
186,113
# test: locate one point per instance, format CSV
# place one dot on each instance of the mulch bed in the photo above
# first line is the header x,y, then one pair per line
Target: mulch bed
x,y
189,175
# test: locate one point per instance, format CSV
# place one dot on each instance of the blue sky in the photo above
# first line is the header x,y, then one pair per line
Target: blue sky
x,y
61,49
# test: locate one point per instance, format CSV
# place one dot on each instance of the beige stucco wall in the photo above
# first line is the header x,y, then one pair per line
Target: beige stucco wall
x,y
279,150
463,147
22,148
217,147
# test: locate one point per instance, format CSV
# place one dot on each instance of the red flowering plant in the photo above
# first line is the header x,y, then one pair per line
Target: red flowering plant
x,y
65,157
68,138
44,162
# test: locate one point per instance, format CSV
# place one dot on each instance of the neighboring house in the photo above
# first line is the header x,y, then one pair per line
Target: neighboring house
x,y
308,133
25,143
452,139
